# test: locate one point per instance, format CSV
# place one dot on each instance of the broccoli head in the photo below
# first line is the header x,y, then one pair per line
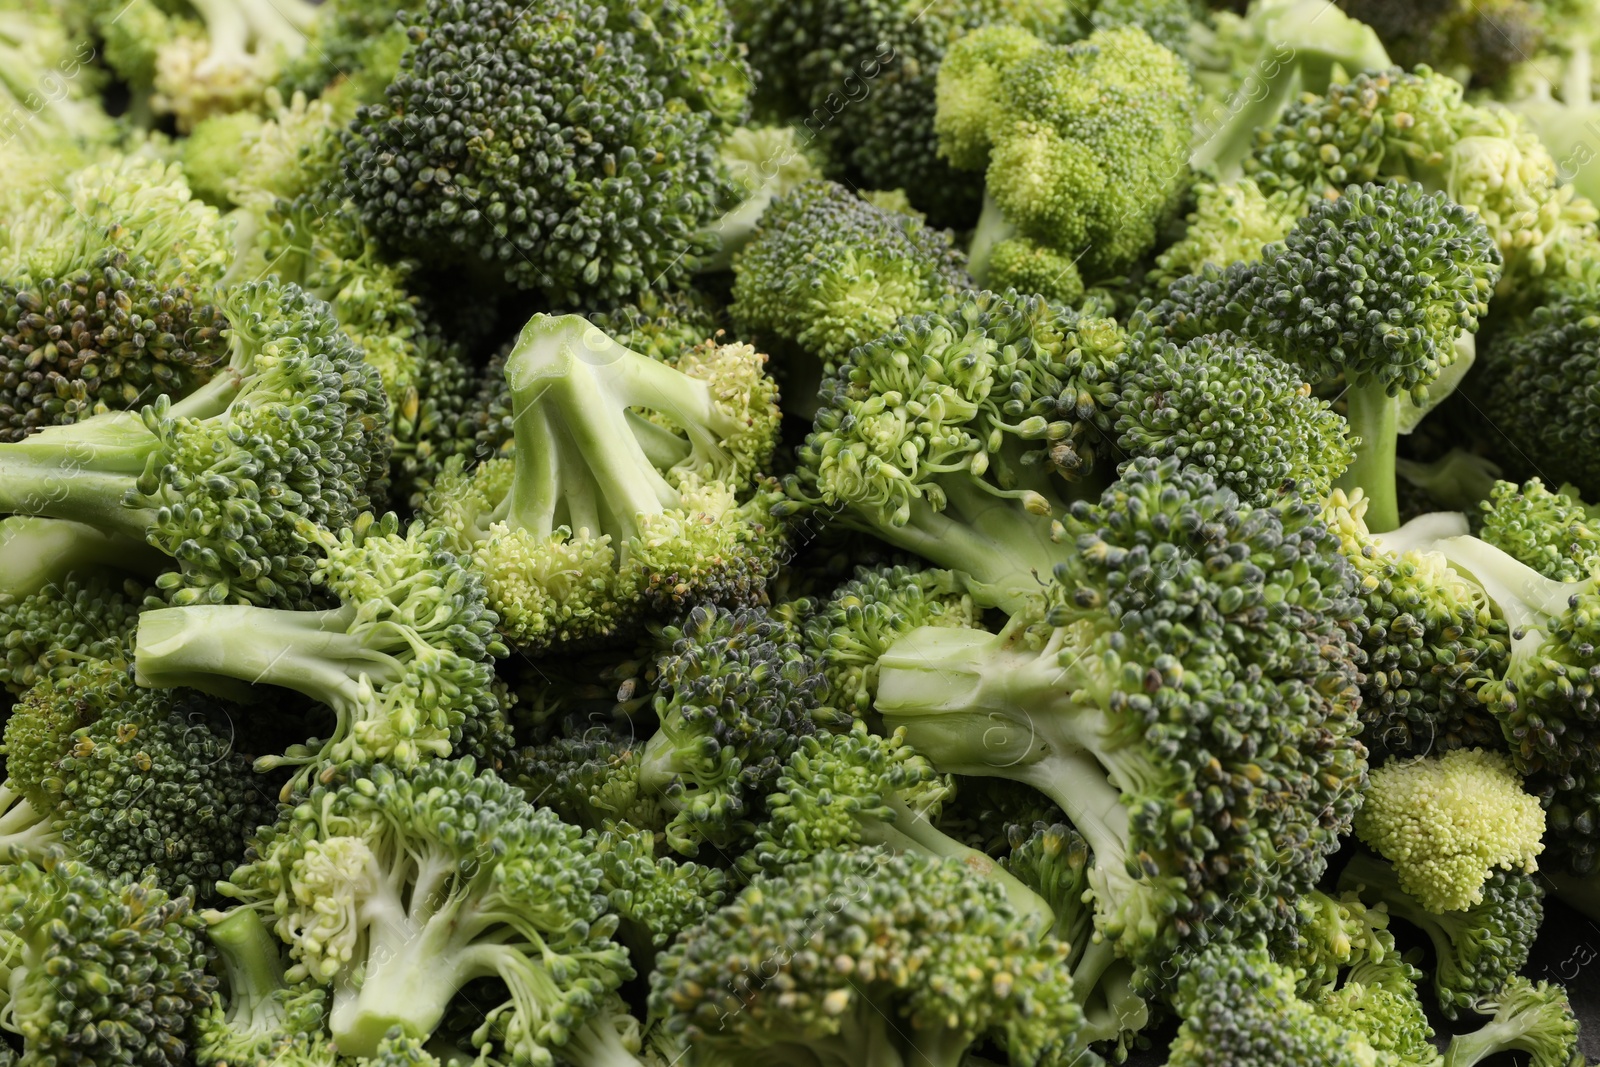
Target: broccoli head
x,y
85,617
1551,531
1524,1016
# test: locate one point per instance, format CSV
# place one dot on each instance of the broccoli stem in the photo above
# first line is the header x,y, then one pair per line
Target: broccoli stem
x,y
1459,480
1525,597
993,227
34,552
252,969
599,1042
82,472
1374,418
23,828
1375,879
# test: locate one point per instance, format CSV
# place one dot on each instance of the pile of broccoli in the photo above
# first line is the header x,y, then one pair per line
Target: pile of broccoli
x,y
840,533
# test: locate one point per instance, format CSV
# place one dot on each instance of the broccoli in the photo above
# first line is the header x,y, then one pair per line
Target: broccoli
x,y
1531,1017
87,616
1108,696
845,634
1478,948
48,87
258,1018
867,957
352,51
221,480
1476,43
826,271
1459,480
1083,149
389,897
103,971
1552,532
764,164
105,295
583,186
655,898
404,662
634,485
1377,286
590,774
957,436
1431,638
135,784
1232,222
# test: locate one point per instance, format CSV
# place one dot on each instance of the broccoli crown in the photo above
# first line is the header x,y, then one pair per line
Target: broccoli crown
x,y
1190,646
845,635
222,481
634,485
826,270
954,435
1232,222
1476,949
1532,384
591,773
395,891
659,897
1525,1016
1476,44
404,661
1431,639
1446,822
733,693
1373,285
870,950
1391,126
1552,532
1084,145
103,971
1244,415
497,142
86,616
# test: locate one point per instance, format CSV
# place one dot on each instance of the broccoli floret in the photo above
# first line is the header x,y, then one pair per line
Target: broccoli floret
x,y
1532,385
87,616
1552,532
1240,413
1526,1016
1476,43
1431,638
258,1018
1231,222
403,662
1083,145
634,485
590,774
656,897
826,271
105,295
386,894
763,163
847,633
352,50
1390,126
955,435
135,784
1377,286
906,958
222,480
1477,948
102,971
1099,697
582,186
48,87
1446,822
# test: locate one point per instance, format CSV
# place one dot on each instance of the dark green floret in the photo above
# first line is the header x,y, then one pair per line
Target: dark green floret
x,y
86,617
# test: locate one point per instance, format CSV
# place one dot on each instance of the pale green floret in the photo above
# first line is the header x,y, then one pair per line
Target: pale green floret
x,y
403,662
258,1017
634,485
1551,531
1446,822
1525,1016
1232,222
764,163
48,86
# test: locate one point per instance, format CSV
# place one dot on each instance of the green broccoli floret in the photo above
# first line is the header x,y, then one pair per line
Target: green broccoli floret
x,y
87,616
763,163
1377,286
590,774
1083,147
826,271
582,186
1231,222
1391,126
106,295
352,51
222,480
1240,413
1526,1016
1431,638
135,784
1249,67
1477,43
1532,385
404,661
1478,948
906,958
846,633
956,436
1447,822
102,971
1106,696
258,1018
634,486
1552,532
390,896
655,897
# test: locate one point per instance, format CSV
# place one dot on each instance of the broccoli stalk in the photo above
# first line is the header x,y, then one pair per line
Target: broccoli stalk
x,y
1527,1017
36,553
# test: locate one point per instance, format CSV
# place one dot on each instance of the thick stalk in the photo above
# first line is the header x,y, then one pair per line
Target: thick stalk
x,y
1423,531
1374,418
1525,597
252,967
60,490
993,227
34,552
